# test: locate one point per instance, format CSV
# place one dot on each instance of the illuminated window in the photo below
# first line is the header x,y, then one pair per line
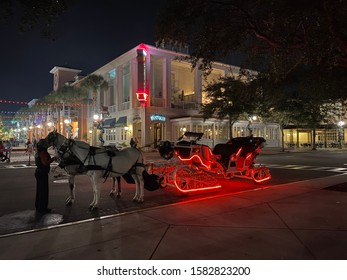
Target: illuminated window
x,y
112,74
182,84
212,78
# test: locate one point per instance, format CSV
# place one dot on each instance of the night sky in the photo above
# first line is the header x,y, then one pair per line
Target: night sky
x,y
89,35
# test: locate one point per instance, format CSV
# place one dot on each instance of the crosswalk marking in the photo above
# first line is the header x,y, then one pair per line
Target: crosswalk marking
x,y
308,167
20,165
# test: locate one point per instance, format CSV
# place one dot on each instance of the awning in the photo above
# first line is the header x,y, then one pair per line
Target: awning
x,y
122,121
109,123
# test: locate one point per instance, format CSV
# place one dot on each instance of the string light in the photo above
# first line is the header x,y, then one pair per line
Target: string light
x,y
42,103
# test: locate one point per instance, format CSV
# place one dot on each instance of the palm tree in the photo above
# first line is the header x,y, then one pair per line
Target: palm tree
x,y
62,96
96,83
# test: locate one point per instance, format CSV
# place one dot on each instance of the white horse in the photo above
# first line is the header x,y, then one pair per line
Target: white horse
x,y
97,161
72,169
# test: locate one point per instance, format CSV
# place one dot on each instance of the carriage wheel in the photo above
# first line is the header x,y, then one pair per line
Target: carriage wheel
x,y
261,174
187,180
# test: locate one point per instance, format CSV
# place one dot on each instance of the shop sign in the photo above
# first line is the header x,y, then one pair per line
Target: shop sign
x,y
157,117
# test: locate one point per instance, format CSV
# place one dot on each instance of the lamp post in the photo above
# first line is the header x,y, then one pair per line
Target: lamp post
x,y
340,125
96,118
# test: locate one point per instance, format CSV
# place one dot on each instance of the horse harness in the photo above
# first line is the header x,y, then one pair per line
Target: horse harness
x,y
90,158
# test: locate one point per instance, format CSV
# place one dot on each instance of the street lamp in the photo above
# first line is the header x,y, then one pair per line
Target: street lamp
x,y
68,127
97,119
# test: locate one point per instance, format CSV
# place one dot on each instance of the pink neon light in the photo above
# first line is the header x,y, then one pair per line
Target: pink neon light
x,y
142,46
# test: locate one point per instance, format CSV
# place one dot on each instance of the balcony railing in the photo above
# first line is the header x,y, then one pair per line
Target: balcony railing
x,y
112,109
125,106
185,105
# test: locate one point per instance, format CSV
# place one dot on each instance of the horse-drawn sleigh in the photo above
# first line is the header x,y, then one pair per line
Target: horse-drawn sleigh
x,y
236,158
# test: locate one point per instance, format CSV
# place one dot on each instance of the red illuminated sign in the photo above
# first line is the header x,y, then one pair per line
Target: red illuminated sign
x,y
142,97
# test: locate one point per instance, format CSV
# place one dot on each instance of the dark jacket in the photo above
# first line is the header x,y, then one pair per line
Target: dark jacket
x,y
43,160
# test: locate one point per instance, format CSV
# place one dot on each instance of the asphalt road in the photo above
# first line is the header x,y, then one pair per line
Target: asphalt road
x,y
17,186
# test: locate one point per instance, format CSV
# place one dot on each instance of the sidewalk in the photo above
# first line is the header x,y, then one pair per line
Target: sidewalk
x,y
298,221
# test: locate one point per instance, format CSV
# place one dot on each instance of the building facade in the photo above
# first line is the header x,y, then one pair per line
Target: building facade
x,y
153,96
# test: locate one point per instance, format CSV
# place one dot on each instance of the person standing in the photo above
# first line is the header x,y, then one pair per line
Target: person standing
x,y
3,150
8,147
42,161
132,143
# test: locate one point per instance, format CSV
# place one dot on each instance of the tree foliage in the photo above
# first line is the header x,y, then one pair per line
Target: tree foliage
x,y
230,97
66,94
95,83
284,34
299,47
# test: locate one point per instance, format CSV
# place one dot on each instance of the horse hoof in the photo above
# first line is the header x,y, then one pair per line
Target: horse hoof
x,y
111,193
138,200
119,195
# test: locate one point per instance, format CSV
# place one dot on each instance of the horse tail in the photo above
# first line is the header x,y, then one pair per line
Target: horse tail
x,y
141,157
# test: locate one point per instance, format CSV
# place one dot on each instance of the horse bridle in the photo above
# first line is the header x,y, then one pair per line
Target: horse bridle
x,y
63,149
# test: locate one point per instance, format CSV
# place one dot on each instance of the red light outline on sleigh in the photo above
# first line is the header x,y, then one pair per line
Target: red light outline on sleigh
x,y
195,190
200,189
193,156
262,180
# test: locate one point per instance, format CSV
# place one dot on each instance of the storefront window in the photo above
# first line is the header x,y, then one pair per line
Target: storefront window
x,y
208,132
271,134
221,132
239,131
110,135
258,132
123,134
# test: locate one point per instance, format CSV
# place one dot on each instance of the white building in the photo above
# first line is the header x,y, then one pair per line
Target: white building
x,y
154,96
